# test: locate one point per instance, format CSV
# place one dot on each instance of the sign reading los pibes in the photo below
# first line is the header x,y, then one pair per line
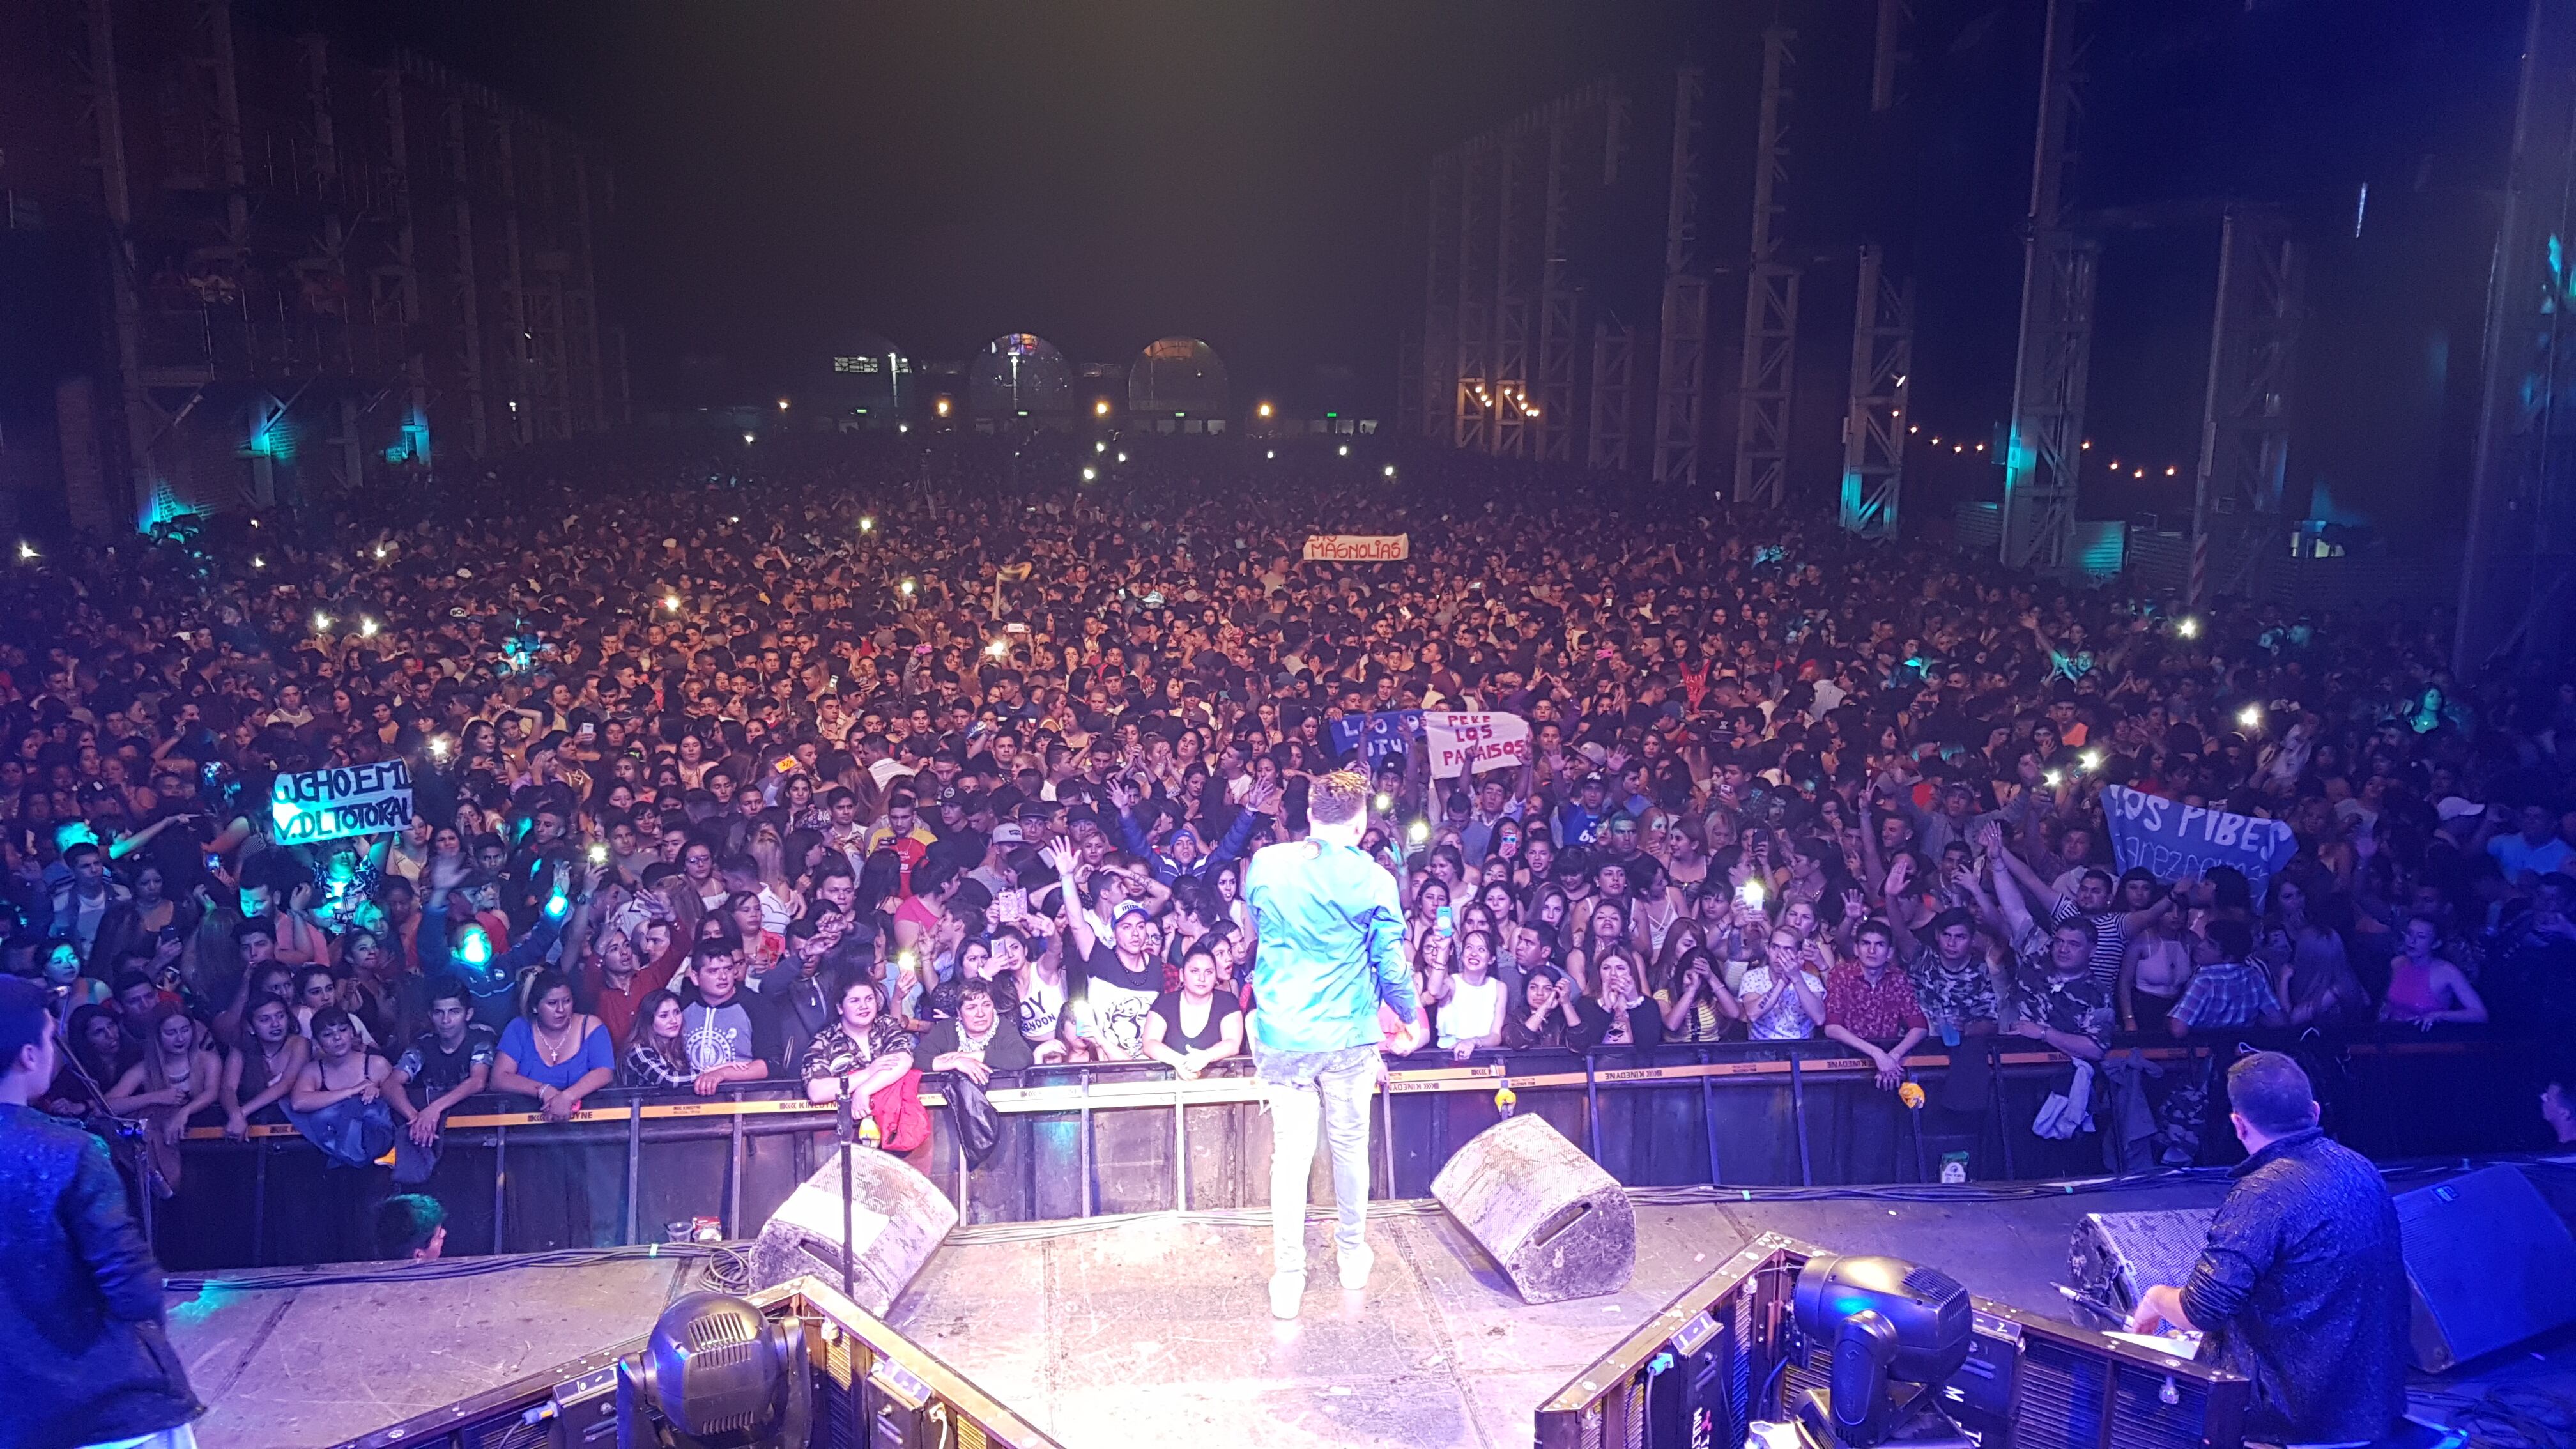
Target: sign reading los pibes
x,y
313,805
1359,547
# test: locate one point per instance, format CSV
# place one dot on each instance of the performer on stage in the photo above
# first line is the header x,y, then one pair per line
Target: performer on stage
x,y
1331,928
2302,1286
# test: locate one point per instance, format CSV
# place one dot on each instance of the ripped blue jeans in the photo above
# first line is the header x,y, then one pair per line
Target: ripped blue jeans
x,y
1307,1093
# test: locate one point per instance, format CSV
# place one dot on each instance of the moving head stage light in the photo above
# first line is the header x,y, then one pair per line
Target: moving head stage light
x,y
716,1373
1896,1333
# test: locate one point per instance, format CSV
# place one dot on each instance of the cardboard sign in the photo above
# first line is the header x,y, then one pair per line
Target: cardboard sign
x,y
316,805
1359,547
1470,743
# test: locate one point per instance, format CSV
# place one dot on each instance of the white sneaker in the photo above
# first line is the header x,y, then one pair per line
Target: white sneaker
x,y
1355,1266
1287,1290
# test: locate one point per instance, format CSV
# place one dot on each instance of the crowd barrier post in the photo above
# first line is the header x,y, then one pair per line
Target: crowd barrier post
x,y
500,1186
1083,1146
1708,1116
1592,1106
1180,1149
733,1185
259,1204
634,1167
1798,1112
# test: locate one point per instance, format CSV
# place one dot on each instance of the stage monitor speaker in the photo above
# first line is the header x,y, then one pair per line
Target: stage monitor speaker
x,y
898,1218
1559,1225
2488,1262
2491,1263
2117,1256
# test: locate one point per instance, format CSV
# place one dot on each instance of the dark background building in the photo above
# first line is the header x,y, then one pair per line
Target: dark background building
x,y
245,265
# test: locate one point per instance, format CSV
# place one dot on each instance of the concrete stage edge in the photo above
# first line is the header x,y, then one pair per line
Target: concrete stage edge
x,y
1154,1333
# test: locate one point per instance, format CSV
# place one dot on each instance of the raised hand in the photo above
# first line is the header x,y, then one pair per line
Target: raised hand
x,y
1060,854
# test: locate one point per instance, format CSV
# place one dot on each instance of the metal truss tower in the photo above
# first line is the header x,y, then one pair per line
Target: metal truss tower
x,y
1882,341
1439,385
1887,53
1681,367
1614,392
2043,453
2515,577
1554,421
1475,315
1498,367
1506,430
1874,424
2236,513
1769,370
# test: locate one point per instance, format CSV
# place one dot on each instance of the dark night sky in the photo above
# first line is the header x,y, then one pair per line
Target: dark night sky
x,y
1101,174
1107,173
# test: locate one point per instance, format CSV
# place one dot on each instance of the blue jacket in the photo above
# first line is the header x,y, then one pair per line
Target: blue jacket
x,y
1331,928
1168,870
494,983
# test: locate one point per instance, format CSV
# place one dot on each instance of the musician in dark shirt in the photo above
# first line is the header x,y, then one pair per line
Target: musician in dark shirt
x,y
2302,1286
80,1295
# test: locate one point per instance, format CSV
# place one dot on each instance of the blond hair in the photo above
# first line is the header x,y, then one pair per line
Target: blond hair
x,y
1336,797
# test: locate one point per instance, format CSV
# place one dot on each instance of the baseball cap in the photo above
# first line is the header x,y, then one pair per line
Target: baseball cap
x,y
1126,909
1007,833
2455,807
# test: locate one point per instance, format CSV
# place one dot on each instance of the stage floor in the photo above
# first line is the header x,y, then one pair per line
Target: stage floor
x,y
1155,1333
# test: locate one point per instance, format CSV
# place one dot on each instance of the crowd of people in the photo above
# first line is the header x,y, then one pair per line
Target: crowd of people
x,y
845,759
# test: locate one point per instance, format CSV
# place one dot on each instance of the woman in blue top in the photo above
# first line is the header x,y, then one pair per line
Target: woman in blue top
x,y
554,1053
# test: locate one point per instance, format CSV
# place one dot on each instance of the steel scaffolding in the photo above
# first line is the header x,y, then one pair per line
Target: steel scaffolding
x,y
1475,316
1874,423
1438,389
2515,592
1505,427
305,262
1557,316
1767,378
2237,513
1498,364
1681,367
2043,452
1614,392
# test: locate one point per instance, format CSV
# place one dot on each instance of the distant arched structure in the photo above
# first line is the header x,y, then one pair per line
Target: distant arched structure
x,y
1177,377
1020,373
868,376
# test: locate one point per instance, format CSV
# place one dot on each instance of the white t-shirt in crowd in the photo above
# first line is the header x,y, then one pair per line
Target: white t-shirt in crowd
x,y
1474,1010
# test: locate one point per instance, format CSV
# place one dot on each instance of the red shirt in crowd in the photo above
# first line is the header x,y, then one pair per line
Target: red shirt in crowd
x,y
1882,1010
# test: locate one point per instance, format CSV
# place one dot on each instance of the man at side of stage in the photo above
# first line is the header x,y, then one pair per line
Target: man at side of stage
x,y
80,1294
2302,1284
1331,927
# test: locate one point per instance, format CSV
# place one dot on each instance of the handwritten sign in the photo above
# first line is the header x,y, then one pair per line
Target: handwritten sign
x,y
1359,547
2176,840
315,805
1470,743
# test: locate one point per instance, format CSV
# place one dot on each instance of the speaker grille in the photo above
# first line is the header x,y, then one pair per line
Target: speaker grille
x,y
2141,1419
1933,1285
513,1434
2061,1398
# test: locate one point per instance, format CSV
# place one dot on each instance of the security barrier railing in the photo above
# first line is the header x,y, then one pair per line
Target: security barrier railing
x,y
1082,1141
